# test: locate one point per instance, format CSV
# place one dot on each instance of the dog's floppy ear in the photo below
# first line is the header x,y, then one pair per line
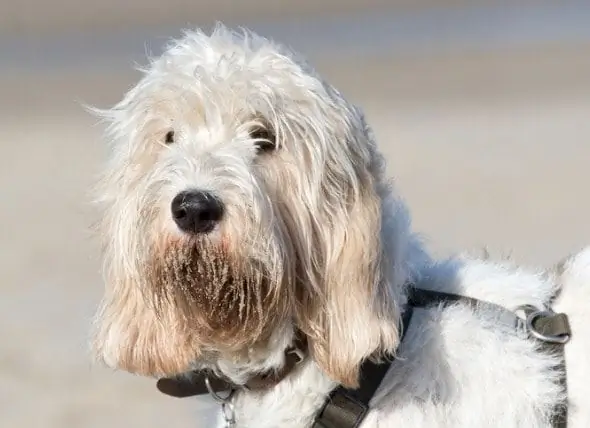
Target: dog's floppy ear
x,y
347,311
130,335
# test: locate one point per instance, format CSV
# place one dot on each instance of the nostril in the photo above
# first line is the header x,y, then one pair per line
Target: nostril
x,y
206,215
179,212
178,207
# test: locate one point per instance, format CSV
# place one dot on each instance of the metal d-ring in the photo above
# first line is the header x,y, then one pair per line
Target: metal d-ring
x,y
530,320
215,395
298,353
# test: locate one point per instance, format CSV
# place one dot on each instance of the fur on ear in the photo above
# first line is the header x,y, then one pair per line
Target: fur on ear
x,y
130,333
131,336
347,309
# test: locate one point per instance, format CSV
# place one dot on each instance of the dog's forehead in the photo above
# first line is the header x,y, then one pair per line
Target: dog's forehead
x,y
204,94
224,83
202,106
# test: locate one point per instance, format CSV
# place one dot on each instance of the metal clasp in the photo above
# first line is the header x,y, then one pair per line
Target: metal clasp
x,y
530,320
532,314
298,353
227,407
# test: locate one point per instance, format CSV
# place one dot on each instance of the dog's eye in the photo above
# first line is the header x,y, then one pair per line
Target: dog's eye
x,y
264,139
169,139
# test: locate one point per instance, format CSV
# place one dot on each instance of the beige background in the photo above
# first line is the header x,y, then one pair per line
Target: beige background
x,y
63,16
489,145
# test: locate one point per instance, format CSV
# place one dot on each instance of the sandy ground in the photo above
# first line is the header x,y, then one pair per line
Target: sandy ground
x,y
488,150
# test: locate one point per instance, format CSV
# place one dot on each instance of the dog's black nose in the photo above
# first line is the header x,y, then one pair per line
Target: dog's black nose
x,y
196,212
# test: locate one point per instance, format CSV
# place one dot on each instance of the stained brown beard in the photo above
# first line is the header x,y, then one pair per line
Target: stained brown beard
x,y
230,302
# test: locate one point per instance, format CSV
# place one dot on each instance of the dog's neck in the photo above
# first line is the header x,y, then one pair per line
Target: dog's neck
x,y
293,402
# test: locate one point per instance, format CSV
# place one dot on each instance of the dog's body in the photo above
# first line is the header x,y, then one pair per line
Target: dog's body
x,y
245,202
457,368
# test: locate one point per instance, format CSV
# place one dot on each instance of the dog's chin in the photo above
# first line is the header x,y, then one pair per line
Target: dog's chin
x,y
230,302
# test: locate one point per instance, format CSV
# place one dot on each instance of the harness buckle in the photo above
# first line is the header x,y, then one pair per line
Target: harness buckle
x,y
534,316
551,338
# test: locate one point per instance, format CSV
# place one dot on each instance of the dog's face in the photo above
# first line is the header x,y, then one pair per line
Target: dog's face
x,y
241,202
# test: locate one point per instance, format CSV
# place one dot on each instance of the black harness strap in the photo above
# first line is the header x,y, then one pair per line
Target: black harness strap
x,y
553,325
347,408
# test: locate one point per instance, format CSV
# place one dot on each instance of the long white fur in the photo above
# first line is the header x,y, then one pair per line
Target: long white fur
x,y
455,368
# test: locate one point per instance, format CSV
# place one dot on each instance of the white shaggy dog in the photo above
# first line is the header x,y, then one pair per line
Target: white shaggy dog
x,y
245,206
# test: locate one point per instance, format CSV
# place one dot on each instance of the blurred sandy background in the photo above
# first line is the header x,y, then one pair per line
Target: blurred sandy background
x,y
482,107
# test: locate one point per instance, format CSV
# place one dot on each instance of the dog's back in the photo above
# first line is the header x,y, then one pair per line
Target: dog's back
x,y
461,367
573,276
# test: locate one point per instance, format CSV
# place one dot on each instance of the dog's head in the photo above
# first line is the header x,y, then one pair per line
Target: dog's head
x,y
242,202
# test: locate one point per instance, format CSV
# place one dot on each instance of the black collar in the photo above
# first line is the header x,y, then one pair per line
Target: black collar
x,y
206,382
